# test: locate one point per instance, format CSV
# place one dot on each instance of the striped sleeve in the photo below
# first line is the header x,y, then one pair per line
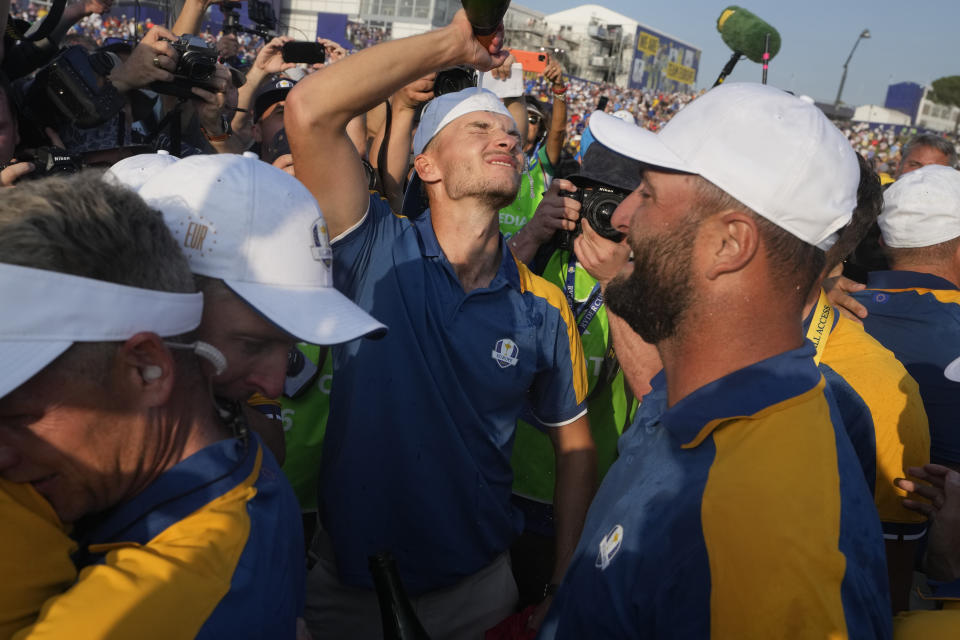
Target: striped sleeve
x,y
165,589
560,392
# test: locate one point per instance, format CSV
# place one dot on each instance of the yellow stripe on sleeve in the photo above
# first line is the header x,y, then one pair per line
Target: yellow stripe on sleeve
x,y
771,524
165,589
539,287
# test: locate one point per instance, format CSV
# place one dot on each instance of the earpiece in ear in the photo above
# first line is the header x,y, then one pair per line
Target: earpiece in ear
x,y
151,373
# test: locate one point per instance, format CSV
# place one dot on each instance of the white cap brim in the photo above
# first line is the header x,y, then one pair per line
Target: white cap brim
x,y
25,359
636,143
321,316
952,372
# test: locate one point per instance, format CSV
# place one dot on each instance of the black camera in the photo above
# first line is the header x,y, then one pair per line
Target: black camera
x,y
597,204
301,372
196,67
73,89
52,161
454,79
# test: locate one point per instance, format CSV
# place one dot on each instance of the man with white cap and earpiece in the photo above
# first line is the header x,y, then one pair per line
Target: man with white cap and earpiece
x,y
740,509
416,456
182,525
914,309
257,244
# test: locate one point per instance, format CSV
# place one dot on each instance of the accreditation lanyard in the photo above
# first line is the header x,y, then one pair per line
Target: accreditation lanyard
x,y
587,309
821,325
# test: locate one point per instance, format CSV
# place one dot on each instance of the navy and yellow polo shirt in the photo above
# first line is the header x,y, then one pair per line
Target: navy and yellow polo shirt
x,y
35,554
212,549
881,408
917,316
740,513
416,456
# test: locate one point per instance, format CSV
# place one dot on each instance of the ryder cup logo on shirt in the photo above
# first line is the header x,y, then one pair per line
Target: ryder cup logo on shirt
x,y
609,547
321,245
505,353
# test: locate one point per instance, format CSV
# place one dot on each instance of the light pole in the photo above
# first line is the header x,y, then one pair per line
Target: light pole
x,y
863,34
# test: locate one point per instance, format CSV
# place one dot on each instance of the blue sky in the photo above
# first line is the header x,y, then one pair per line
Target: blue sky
x,y
911,40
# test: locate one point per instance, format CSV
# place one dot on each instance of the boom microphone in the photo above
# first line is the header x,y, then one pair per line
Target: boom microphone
x,y
746,34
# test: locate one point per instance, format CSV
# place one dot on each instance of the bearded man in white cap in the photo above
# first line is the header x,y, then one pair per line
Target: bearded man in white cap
x,y
416,456
738,509
182,524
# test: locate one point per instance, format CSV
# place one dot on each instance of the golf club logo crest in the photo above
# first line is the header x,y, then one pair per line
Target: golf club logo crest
x,y
505,353
320,247
609,547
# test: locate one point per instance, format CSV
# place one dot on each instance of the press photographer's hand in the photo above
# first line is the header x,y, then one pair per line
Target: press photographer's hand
x,y
416,93
603,259
554,213
270,58
152,60
9,176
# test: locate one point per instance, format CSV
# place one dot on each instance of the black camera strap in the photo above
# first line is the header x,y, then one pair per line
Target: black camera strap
x,y
585,311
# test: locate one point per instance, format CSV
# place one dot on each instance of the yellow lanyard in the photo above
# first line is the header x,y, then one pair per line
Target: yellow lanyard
x,y
821,325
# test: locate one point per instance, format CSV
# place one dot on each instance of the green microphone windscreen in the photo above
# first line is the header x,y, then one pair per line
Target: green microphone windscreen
x,y
745,33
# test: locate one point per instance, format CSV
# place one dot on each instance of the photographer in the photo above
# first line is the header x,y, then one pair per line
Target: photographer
x,y
543,143
269,61
609,400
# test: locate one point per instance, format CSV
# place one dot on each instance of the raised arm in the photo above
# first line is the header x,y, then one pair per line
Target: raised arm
x,y
320,106
396,153
191,15
269,60
557,133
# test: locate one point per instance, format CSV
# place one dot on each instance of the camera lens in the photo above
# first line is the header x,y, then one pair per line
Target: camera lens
x,y
598,208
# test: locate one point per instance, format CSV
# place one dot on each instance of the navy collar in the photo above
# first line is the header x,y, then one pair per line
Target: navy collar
x,y
907,280
178,492
508,272
742,393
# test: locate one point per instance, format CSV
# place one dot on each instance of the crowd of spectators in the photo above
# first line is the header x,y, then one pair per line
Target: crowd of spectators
x,y
363,35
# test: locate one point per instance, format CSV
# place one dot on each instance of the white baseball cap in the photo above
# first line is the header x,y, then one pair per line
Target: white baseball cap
x,y
260,231
134,171
772,151
444,109
922,208
44,312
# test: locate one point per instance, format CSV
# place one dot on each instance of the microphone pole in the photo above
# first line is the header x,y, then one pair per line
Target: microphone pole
x,y
766,57
728,69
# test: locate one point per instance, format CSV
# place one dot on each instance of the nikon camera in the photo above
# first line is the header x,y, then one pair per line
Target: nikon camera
x,y
597,204
196,67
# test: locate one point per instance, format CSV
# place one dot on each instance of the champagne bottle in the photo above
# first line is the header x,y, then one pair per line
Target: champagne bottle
x,y
399,620
485,16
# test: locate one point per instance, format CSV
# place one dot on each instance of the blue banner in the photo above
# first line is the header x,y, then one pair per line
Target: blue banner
x,y
662,64
333,26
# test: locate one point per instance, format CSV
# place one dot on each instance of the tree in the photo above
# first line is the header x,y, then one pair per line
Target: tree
x,y
946,91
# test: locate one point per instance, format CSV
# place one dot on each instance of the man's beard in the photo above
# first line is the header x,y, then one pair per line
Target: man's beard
x,y
654,298
496,194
